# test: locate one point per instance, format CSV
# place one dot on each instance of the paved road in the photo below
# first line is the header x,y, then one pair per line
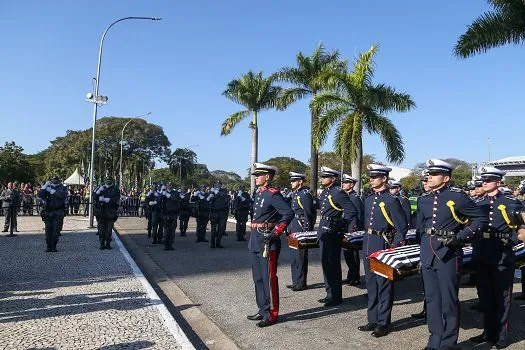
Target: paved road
x,y
219,282
77,298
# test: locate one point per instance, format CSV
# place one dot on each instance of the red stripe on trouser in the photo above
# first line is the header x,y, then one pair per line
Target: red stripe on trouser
x,y
274,286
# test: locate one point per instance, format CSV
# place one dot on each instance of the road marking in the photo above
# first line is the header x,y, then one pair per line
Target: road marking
x,y
170,322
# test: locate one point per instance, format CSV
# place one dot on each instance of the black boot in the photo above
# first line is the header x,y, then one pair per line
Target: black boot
x,y
149,234
49,248
108,245
54,247
102,246
212,244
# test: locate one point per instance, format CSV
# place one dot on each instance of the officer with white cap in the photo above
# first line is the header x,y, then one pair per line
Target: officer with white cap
x,y
385,227
495,259
352,258
337,211
447,218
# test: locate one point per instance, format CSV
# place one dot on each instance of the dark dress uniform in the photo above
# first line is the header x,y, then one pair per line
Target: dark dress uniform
x,y
441,223
337,211
302,203
271,215
496,264
185,213
155,207
385,227
219,207
10,203
405,204
170,201
352,258
241,209
54,197
109,197
202,203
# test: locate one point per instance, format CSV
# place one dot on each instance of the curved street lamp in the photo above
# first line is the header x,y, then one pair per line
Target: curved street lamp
x,y
96,100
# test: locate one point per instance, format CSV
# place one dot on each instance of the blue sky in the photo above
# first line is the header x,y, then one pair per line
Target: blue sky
x,y
177,69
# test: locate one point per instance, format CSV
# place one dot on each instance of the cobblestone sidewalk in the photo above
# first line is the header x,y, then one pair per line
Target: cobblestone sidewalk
x,y
77,298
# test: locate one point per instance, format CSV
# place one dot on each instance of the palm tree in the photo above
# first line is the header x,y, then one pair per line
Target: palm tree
x,y
354,104
256,94
181,162
504,25
308,80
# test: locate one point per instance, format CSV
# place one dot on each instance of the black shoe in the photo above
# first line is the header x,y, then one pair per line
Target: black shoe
x,y
212,247
354,283
500,345
331,302
291,286
183,235
205,240
477,307
220,246
48,250
102,246
263,323
470,283
420,315
154,241
367,327
323,300
299,288
255,317
225,234
54,248
4,230
482,338
149,235
108,246
168,248
380,331
242,239
520,297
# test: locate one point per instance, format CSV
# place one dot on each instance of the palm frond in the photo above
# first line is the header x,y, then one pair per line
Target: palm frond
x,y
343,137
493,29
386,98
290,96
364,67
233,120
328,100
390,136
324,124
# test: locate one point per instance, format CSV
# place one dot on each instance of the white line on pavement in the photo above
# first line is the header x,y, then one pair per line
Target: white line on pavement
x,y
170,322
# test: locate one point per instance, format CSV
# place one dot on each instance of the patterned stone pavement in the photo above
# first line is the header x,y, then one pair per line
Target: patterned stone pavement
x,y
77,298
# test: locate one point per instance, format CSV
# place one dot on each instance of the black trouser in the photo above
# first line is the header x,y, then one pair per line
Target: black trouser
x,y
105,229
331,264
495,283
202,222
218,227
148,219
53,223
170,226
156,224
183,220
8,219
240,227
353,262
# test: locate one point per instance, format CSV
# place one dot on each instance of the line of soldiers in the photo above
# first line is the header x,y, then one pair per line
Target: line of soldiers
x,y
446,220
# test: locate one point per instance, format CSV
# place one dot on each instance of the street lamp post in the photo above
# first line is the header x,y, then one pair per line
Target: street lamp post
x,y
96,99
122,143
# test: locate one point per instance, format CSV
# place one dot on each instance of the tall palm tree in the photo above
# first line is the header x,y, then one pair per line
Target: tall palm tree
x,y
504,25
307,78
181,162
256,94
354,104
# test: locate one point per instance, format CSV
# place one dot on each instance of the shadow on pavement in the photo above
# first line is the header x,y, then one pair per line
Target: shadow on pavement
x,y
140,344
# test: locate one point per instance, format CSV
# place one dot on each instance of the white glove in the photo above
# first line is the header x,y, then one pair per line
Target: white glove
x,y
51,191
101,199
46,185
210,197
152,202
164,192
168,195
106,200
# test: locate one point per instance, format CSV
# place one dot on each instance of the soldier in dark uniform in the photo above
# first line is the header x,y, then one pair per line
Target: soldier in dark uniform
x,y
352,258
302,203
271,215
202,204
155,207
337,211
185,212
241,209
395,190
442,223
170,202
53,195
10,198
148,210
219,206
108,198
385,227
495,259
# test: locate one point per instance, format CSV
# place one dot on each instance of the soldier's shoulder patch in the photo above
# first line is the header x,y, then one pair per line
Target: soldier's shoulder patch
x,y
307,191
511,197
338,188
273,190
456,189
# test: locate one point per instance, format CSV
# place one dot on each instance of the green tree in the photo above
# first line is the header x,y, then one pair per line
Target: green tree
x,y
461,175
410,182
285,165
161,175
256,94
504,25
14,165
354,104
308,80
182,162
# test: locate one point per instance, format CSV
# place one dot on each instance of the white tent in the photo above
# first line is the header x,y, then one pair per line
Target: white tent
x,y
75,179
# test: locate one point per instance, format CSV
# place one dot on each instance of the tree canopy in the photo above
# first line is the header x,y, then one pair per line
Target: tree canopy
x,y
14,164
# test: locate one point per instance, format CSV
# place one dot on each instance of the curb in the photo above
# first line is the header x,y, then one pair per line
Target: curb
x,y
169,321
199,328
